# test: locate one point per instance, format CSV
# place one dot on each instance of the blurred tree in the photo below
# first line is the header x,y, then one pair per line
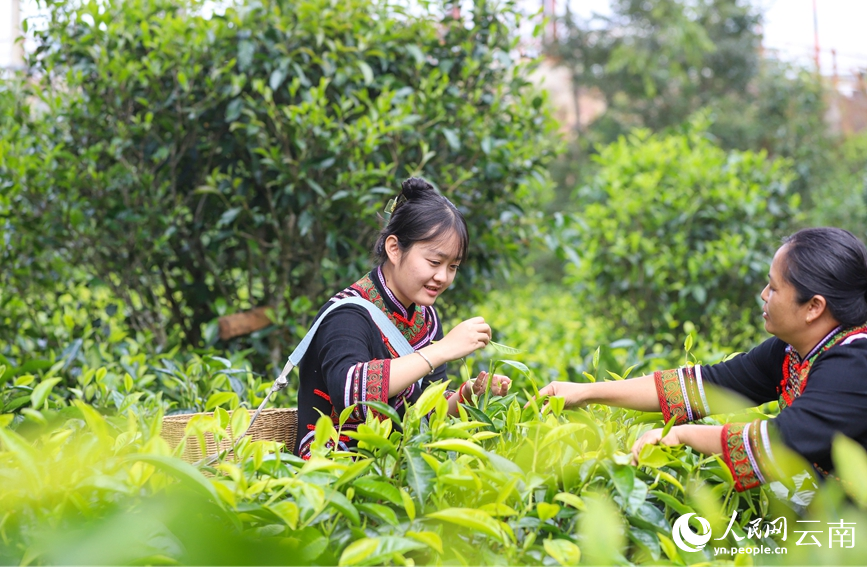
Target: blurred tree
x,y
841,196
204,158
676,229
656,63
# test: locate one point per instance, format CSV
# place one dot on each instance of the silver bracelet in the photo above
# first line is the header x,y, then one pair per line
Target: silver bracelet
x,y
426,359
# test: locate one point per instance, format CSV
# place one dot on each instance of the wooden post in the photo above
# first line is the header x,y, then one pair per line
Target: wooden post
x,y
243,323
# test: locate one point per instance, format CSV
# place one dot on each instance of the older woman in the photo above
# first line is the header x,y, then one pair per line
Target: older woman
x,y
815,305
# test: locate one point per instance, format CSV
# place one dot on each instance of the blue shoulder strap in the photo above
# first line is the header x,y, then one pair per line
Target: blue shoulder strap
x,y
392,333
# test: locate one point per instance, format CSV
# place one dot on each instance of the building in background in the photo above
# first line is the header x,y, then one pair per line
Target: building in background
x,y
11,51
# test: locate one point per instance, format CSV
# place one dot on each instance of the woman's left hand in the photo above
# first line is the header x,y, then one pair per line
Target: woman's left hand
x,y
499,385
654,437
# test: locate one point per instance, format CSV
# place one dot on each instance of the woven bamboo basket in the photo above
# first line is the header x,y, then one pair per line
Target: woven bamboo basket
x,y
274,424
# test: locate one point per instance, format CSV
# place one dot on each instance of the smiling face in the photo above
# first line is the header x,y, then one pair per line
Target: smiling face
x,y
422,272
784,316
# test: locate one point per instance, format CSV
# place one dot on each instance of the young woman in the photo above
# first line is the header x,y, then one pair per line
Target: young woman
x,y
350,361
815,365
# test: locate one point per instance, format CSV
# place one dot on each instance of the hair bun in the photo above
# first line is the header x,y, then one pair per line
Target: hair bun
x,y
417,188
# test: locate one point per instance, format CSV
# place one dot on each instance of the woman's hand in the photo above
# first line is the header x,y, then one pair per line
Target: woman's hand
x,y
654,437
574,394
464,339
499,384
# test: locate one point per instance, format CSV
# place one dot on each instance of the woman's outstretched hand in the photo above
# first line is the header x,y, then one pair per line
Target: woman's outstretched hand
x,y
465,339
499,384
574,394
654,437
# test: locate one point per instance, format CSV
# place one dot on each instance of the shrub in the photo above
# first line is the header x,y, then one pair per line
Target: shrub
x,y
675,229
501,485
199,155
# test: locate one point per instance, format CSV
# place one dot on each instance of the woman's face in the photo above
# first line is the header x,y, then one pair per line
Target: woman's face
x,y
424,271
784,316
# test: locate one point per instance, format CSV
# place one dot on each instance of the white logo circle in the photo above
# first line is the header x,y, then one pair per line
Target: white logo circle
x,y
685,538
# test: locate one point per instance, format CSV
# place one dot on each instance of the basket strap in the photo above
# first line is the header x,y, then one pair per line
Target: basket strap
x,y
392,333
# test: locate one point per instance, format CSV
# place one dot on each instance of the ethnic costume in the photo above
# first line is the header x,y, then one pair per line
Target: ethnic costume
x,y
349,360
819,395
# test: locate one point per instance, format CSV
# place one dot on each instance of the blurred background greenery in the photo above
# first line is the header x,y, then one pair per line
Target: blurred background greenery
x,y
165,165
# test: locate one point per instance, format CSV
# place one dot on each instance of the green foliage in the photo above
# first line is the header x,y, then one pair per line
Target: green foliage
x,y
656,63
82,346
840,198
506,484
198,158
502,484
676,229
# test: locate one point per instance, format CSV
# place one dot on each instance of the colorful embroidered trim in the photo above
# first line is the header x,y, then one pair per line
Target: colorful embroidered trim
x,y
415,328
748,455
681,394
796,371
366,381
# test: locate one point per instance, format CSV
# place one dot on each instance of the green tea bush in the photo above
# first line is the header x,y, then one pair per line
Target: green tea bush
x,y
501,484
193,155
674,230
76,345
840,199
559,336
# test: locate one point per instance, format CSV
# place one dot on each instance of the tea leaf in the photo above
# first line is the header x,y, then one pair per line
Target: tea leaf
x,y
504,349
431,539
42,391
459,446
352,472
563,551
377,550
380,512
344,415
418,473
669,424
571,500
220,398
520,366
561,431
429,398
850,463
383,409
546,510
287,511
358,551
378,490
475,520
653,456
408,504
341,503
239,422
184,472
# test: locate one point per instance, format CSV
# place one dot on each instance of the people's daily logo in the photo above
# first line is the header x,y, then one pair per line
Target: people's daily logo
x,y
685,538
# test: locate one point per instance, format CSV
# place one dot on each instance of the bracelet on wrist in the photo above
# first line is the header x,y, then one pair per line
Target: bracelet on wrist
x,y
426,359
461,398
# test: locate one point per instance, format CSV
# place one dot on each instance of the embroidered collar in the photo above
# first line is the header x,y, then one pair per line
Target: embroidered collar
x,y
790,350
796,370
407,316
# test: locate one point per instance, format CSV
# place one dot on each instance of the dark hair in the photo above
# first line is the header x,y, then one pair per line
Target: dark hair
x,y
830,262
422,215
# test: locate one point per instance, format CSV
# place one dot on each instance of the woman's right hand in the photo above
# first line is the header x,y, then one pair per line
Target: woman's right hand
x,y
464,339
574,394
